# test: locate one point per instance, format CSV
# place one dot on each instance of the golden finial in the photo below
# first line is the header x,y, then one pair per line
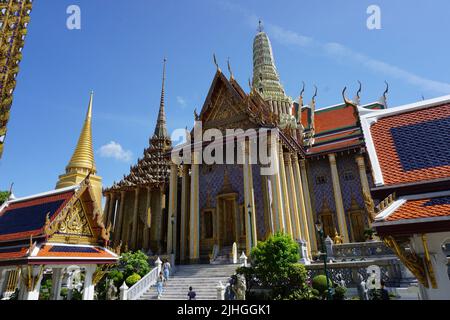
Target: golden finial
x,y
229,68
313,106
260,26
346,100
300,99
358,94
215,62
83,156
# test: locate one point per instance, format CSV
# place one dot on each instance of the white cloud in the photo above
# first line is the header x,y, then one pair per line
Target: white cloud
x,y
114,150
181,101
339,52
342,53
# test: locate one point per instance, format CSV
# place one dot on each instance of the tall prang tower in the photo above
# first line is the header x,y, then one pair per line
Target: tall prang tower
x,y
82,162
266,80
14,20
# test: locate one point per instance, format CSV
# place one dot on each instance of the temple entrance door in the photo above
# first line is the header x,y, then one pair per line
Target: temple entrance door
x,y
227,210
229,217
328,225
357,224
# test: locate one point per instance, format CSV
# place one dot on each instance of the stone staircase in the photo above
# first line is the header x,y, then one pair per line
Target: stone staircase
x,y
224,256
203,278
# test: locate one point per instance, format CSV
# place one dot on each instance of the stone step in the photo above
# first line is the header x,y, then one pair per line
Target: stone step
x,y
203,278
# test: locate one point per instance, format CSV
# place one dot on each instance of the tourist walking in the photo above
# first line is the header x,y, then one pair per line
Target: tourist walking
x,y
191,294
159,284
166,268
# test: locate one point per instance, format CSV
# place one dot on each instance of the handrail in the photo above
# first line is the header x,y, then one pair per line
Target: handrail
x,y
143,285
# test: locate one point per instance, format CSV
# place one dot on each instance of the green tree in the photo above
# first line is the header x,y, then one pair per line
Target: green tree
x,y
134,262
274,266
4,195
131,264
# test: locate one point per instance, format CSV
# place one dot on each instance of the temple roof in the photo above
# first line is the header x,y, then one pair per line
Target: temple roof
x,y
56,253
335,127
430,212
409,144
153,169
59,226
25,217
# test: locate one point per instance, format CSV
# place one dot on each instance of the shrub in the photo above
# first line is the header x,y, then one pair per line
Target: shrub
x,y
275,267
134,262
45,290
339,293
320,284
63,293
117,277
131,280
272,258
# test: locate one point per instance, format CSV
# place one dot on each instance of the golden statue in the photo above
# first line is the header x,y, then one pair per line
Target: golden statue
x,y
370,206
337,238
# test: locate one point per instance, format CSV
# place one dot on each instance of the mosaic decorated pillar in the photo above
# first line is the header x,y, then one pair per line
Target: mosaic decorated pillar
x,y
184,211
277,200
105,211
343,231
111,209
172,213
301,208
135,219
284,192
148,219
292,195
118,229
194,227
362,173
310,221
249,199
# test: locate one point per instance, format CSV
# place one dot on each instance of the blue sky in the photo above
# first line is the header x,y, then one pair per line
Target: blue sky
x,y
119,50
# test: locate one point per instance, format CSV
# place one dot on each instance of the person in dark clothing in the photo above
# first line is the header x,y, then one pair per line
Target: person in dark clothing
x,y
191,294
383,292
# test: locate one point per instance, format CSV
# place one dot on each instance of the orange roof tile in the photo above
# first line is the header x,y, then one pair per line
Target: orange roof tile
x,y
423,208
413,146
73,251
335,146
13,253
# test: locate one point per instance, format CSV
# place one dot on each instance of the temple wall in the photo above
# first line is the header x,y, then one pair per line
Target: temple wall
x,y
321,191
259,201
211,180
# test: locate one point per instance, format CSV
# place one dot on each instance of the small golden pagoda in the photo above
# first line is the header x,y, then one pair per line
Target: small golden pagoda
x,y
82,162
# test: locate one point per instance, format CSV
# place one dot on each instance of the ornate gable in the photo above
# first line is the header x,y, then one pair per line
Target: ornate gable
x,y
224,107
79,222
76,222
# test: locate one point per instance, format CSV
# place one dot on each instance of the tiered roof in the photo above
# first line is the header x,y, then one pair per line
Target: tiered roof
x,y
337,127
63,226
153,169
409,149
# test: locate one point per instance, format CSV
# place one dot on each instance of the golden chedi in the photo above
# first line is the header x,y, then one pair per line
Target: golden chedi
x,y
82,162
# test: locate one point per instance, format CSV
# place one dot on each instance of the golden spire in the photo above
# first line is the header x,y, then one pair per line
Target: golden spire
x,y
83,156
